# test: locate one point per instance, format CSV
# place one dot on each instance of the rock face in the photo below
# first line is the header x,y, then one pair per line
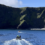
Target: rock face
x,y
21,18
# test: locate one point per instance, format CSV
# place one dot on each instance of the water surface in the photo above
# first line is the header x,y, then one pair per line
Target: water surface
x,y
8,37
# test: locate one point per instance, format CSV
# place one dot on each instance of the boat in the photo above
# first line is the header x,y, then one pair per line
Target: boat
x,y
18,37
18,31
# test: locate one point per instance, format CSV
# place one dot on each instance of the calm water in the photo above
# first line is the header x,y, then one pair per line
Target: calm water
x,y
8,37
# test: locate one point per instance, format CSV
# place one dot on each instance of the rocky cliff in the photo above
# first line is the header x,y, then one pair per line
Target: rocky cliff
x,y
21,18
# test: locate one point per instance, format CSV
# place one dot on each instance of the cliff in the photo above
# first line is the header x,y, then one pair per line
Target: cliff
x,y
21,18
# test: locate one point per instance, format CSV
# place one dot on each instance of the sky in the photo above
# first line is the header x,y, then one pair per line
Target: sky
x,y
23,3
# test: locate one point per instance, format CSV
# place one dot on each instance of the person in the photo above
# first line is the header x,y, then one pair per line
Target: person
x,y
17,35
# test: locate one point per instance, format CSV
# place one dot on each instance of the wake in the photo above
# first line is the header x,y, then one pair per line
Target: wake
x,y
17,42
21,32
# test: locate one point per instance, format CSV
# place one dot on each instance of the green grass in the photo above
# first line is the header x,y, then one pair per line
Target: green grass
x,y
21,22
40,14
23,9
22,17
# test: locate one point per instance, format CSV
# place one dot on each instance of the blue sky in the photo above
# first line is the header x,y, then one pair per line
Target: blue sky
x,y
33,3
23,3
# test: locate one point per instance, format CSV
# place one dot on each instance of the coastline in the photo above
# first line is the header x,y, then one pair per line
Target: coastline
x,y
24,29
37,29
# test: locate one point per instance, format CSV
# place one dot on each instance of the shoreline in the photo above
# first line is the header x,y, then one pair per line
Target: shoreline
x,y
37,29
24,29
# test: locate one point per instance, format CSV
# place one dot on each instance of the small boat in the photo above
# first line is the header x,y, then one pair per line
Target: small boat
x,y
18,31
18,37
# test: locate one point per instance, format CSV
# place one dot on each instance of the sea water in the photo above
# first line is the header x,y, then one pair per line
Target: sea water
x,y
28,37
